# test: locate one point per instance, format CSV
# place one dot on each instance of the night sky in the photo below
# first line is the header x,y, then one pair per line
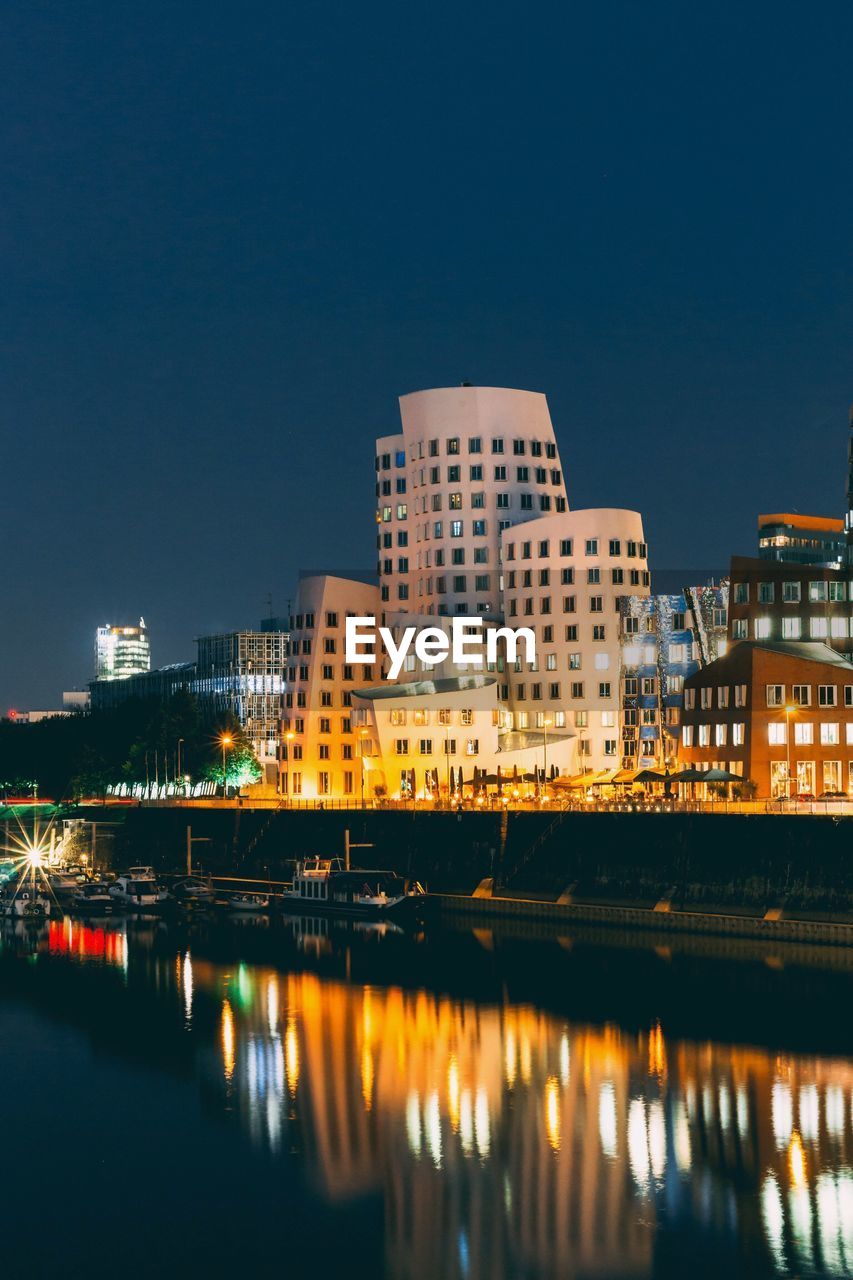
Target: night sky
x,y
232,235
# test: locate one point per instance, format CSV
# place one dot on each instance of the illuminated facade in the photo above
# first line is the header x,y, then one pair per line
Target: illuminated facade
x,y
320,749
798,539
779,713
566,576
121,652
665,640
469,462
242,673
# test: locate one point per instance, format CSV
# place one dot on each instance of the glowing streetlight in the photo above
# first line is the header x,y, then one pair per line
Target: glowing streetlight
x,y
225,742
545,723
789,707
288,738
362,733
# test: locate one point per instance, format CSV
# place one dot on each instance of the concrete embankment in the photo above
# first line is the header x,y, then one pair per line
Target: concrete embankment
x,y
723,866
774,926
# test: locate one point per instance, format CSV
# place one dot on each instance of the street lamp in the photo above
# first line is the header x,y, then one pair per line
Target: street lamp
x,y
288,738
225,741
545,723
178,765
362,733
789,707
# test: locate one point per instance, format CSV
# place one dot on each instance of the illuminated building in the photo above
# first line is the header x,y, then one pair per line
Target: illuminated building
x,y
320,749
779,713
798,539
242,673
469,462
790,602
566,576
665,640
121,652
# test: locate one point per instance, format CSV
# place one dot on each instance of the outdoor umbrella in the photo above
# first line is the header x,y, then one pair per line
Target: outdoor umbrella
x,y
690,775
650,775
720,775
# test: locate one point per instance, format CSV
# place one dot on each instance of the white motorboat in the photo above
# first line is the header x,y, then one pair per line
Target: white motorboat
x,y
131,890
93,896
249,901
64,883
27,904
193,892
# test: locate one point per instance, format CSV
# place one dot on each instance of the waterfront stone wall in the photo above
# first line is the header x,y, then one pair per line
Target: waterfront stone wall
x,y
693,860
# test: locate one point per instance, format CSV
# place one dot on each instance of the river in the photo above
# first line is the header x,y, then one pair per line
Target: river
x,y
309,1099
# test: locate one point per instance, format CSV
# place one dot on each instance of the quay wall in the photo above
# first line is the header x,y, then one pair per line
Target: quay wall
x,y
694,861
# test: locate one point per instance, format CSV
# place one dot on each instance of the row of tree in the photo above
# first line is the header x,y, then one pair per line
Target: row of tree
x,y
141,741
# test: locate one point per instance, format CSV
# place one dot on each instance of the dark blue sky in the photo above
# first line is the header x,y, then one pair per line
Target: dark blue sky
x,y
231,235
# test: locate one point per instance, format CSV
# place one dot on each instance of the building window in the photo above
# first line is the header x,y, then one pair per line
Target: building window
x,y
775,695
401,746
777,733
829,735
704,735
766,592
738,734
472,746
687,735
791,592
792,628
818,628
827,695
592,546
818,593
803,733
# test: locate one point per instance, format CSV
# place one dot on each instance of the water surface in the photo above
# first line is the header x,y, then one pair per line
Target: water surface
x,y
316,1100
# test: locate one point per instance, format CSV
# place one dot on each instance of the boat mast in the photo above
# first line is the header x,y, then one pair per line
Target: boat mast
x,y
350,844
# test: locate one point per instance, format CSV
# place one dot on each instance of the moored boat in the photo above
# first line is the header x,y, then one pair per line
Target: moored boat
x,y
27,904
193,892
93,896
326,885
134,891
63,882
249,901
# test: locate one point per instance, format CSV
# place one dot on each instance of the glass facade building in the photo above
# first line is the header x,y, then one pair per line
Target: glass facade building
x,y
121,652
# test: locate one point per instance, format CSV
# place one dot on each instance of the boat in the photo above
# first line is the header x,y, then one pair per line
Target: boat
x,y
131,890
27,904
326,885
193,892
249,901
63,882
93,896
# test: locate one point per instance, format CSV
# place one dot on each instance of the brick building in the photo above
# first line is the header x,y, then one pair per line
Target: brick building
x,y
772,711
773,600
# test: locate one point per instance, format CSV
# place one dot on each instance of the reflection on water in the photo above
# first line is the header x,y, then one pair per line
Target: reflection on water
x,y
504,1140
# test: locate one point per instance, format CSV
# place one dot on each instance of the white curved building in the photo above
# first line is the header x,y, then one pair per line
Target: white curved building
x,y
469,462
